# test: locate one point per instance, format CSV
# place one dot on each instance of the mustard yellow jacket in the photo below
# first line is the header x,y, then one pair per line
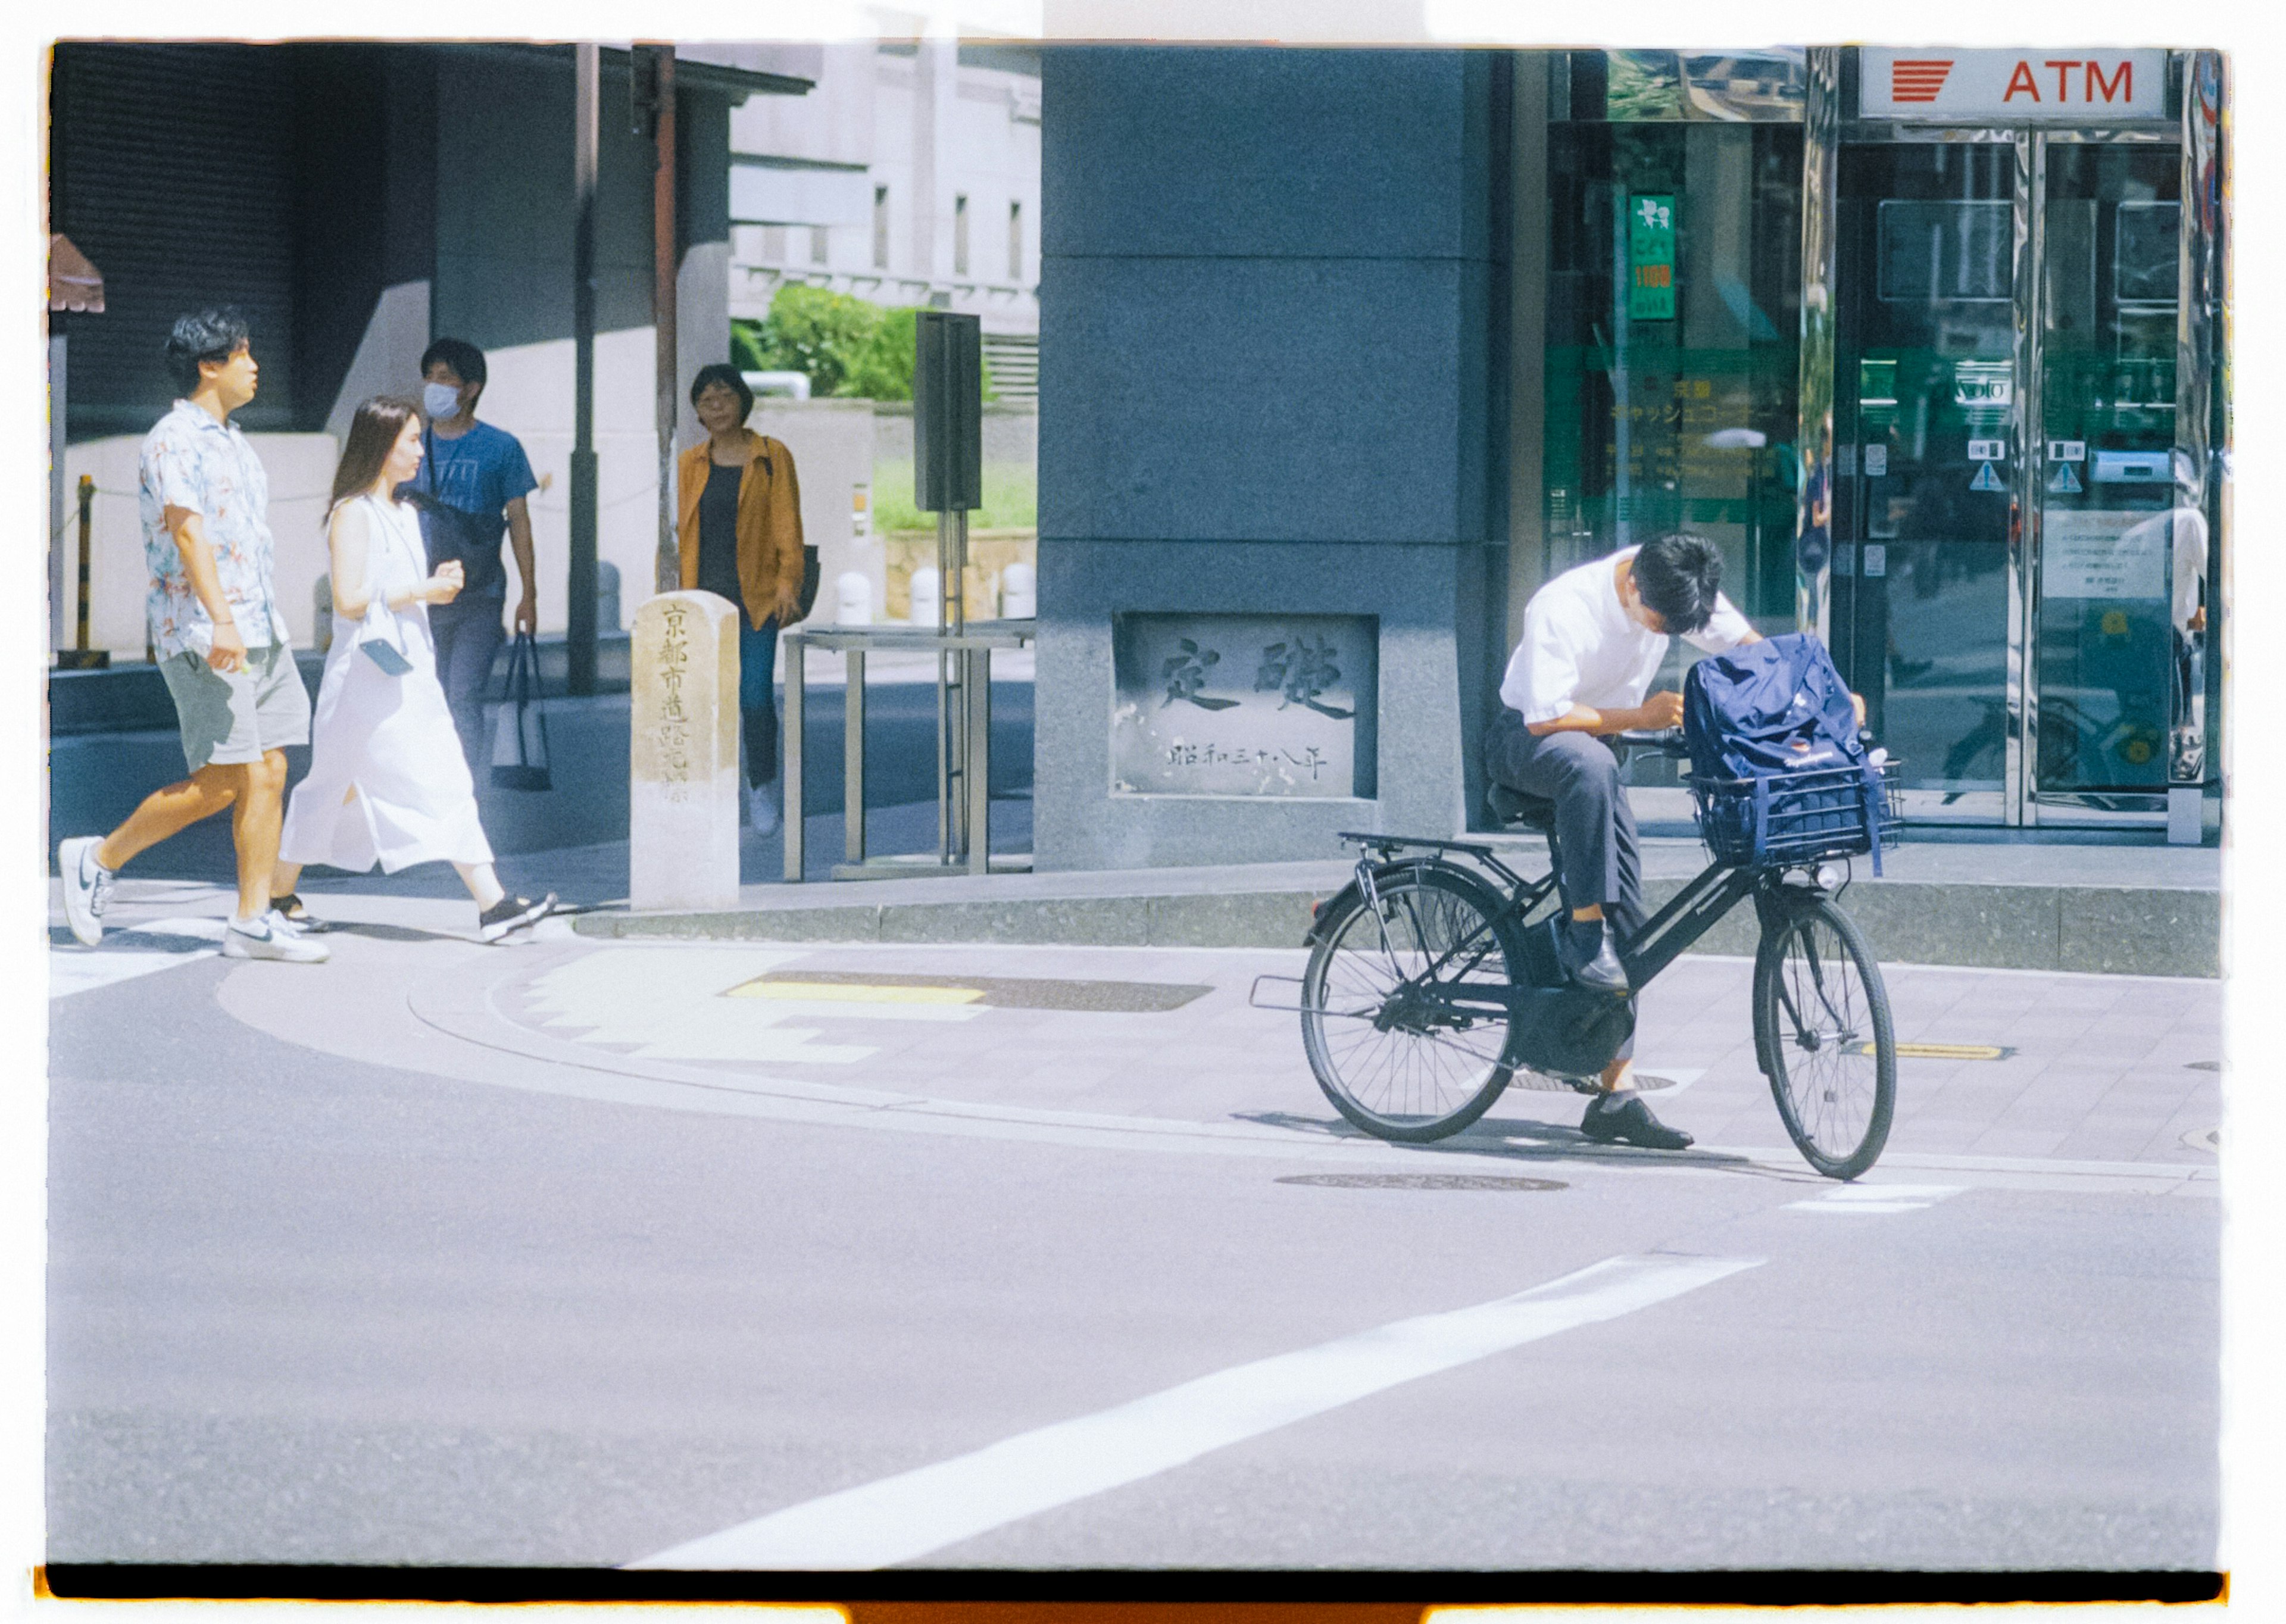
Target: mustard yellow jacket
x,y
769,523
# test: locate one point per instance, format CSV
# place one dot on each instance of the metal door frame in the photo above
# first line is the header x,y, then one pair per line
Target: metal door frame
x,y
1824,133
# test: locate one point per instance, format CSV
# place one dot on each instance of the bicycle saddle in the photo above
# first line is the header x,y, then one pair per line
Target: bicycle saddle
x,y
1516,809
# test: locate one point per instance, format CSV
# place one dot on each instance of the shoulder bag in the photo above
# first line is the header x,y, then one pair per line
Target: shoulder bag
x,y
520,738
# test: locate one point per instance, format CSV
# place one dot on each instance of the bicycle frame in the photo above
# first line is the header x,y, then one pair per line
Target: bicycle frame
x,y
1693,911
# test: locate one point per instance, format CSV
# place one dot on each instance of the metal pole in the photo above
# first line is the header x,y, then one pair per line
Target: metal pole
x,y
2021,757
664,262
2196,332
947,753
853,757
86,553
1821,155
978,726
796,727
80,656
579,608
1622,390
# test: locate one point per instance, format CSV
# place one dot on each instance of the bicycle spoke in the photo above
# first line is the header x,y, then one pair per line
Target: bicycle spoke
x,y
1383,1035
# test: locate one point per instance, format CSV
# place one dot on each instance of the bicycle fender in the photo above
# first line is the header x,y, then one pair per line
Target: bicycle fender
x,y
1352,895
1331,909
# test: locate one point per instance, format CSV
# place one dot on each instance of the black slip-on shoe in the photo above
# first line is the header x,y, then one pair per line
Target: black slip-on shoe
x,y
1624,1119
1584,947
512,913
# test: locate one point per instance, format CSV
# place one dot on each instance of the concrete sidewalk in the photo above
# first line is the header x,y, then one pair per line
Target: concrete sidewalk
x,y
2111,908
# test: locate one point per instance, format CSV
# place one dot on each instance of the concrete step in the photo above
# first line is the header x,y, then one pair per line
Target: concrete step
x,y
2095,926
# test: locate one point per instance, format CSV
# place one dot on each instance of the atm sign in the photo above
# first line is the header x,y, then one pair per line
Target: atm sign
x,y
2017,86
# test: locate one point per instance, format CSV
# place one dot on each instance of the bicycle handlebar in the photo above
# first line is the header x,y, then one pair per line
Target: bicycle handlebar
x,y
1665,741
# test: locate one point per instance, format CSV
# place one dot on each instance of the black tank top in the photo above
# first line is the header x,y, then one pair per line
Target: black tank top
x,y
718,533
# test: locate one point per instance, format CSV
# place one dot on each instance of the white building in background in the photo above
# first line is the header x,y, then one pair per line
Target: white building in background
x,y
910,175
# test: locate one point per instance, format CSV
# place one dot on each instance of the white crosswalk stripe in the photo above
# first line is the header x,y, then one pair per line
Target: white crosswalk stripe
x,y
901,1518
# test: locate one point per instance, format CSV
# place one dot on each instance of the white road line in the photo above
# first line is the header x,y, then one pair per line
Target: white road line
x,y
900,1518
1865,1199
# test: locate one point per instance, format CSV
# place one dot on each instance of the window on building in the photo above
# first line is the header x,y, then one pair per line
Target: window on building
x,y
1015,242
960,236
774,245
1636,389
817,245
880,228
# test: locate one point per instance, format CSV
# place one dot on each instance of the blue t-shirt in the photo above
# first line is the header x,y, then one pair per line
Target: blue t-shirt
x,y
479,473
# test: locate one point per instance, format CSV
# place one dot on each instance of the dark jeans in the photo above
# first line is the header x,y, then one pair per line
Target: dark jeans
x,y
1598,859
468,633
758,707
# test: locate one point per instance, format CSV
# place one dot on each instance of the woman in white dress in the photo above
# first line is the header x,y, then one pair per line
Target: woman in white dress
x,y
387,783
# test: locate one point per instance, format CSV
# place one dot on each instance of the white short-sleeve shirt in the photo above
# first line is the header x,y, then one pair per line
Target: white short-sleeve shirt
x,y
1579,647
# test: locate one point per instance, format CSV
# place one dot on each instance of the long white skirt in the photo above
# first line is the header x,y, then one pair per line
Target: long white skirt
x,y
387,783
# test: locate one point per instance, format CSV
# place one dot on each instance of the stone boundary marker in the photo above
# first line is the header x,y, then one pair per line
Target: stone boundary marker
x,y
682,791
2106,930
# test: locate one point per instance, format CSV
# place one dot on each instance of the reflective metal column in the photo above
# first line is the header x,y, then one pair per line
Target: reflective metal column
x,y
2198,332
2027,214
1821,156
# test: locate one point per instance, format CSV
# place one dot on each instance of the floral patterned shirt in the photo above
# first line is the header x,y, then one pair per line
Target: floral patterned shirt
x,y
190,461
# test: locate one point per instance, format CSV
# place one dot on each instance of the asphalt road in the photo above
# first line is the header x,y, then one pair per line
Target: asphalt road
x,y
440,1255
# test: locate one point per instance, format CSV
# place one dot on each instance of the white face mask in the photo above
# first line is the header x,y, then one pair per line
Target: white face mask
x,y
441,399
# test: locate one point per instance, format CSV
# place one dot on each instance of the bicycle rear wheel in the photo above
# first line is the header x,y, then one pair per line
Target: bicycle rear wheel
x,y
1822,1019
1390,1053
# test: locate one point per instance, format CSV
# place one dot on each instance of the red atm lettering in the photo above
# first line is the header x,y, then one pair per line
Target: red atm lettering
x,y
2022,79
2123,82
2063,83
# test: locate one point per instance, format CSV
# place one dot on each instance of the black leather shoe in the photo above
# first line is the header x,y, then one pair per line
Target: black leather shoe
x,y
1624,1119
1584,947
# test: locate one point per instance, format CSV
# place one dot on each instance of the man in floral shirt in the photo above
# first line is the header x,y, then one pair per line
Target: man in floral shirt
x,y
221,645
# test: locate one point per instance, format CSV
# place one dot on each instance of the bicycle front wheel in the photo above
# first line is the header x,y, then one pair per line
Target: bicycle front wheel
x,y
1822,1017
1387,1047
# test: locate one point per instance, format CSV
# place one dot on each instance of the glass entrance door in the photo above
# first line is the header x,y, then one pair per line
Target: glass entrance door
x,y
2013,582
2109,534
1927,440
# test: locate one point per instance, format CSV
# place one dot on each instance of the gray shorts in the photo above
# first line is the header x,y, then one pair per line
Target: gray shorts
x,y
233,717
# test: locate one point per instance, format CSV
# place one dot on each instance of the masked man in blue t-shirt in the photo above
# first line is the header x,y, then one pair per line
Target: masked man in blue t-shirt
x,y
477,476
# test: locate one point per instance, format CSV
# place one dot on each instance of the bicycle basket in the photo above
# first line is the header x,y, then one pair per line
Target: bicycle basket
x,y
1786,818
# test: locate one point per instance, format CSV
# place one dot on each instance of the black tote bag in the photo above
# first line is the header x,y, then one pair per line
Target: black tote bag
x,y
520,738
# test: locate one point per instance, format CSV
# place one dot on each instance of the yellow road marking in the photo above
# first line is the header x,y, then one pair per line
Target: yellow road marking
x,y
853,993
1945,1052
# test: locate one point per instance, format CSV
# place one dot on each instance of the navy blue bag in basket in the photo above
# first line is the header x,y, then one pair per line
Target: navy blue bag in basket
x,y
1776,766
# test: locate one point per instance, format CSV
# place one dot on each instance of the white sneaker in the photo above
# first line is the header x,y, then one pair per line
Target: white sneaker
x,y
762,807
86,887
277,921
257,939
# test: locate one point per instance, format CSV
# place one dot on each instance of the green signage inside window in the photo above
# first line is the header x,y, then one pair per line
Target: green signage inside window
x,y
1650,256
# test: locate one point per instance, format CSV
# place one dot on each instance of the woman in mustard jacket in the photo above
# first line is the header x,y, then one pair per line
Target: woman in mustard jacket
x,y
740,535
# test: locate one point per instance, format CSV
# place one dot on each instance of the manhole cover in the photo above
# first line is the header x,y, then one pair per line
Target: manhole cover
x,y
1420,1181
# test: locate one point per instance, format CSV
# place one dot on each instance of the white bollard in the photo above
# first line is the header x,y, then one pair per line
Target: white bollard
x,y
1019,593
924,595
855,591
682,790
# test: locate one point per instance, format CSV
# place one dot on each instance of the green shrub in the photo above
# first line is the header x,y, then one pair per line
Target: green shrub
x,y
881,369
846,345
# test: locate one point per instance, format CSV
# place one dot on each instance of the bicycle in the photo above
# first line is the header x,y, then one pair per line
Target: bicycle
x,y
1431,982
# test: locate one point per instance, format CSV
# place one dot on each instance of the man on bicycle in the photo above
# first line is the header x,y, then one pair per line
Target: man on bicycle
x,y
1594,639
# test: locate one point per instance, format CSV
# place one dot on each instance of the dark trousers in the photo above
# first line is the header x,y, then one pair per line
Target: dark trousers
x,y
468,633
1599,860
758,708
